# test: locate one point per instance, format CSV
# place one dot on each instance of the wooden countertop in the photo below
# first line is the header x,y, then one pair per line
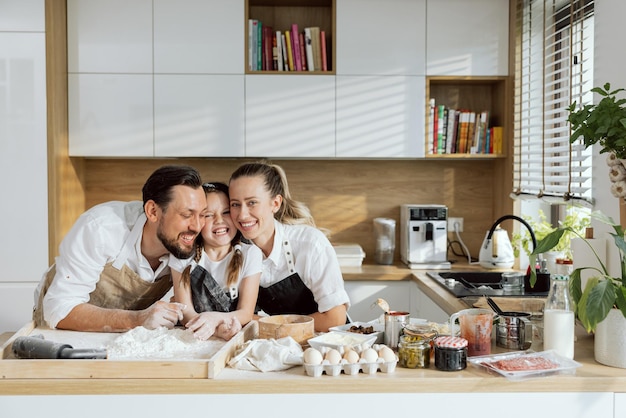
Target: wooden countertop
x,y
591,377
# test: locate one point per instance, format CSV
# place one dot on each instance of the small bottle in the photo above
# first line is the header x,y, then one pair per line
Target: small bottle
x,y
558,318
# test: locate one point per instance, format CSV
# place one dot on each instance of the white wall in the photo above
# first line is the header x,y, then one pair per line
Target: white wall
x,y
609,64
23,158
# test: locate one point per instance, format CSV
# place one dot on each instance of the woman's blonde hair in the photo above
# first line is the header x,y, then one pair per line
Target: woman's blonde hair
x,y
291,211
236,262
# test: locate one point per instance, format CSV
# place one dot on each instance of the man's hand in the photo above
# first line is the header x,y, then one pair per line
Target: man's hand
x,y
162,314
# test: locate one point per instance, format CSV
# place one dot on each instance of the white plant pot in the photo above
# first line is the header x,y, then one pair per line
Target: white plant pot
x,y
610,340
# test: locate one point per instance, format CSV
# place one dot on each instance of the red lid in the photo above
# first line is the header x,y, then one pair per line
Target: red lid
x,y
450,342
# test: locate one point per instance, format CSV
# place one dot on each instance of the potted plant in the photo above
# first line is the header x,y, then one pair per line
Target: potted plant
x,y
603,297
573,219
603,123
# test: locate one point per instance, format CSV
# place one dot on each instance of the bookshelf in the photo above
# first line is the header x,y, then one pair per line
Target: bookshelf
x,y
281,14
476,94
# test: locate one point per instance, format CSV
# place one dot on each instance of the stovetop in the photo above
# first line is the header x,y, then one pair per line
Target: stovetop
x,y
462,284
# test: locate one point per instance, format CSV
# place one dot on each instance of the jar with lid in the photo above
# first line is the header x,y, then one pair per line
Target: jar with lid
x,y
450,353
414,352
564,266
558,317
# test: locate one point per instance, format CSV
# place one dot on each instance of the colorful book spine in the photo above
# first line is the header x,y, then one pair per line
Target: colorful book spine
x,y
431,127
295,44
253,33
308,43
302,51
259,46
441,109
323,50
279,51
283,44
289,50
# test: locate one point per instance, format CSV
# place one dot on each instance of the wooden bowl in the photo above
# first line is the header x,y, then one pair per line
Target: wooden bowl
x,y
299,327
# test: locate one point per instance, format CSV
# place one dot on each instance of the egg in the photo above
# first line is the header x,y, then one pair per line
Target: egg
x,y
387,354
351,356
369,355
312,356
333,356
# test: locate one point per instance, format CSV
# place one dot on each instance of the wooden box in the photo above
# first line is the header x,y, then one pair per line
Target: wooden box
x,y
13,368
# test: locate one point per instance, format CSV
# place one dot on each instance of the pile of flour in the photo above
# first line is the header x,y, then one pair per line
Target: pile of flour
x,y
161,343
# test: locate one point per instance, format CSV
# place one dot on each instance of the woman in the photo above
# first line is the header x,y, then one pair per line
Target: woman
x,y
301,274
219,285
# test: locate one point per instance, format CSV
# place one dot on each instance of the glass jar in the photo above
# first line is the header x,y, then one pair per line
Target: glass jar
x,y
559,318
413,352
450,353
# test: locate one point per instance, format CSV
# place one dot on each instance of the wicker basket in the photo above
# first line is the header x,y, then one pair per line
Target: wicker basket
x,y
299,327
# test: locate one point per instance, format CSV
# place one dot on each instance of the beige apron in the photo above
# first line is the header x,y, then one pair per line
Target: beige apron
x,y
118,287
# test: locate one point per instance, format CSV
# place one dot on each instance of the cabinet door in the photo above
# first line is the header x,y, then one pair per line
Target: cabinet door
x,y
113,36
381,37
198,36
198,115
290,116
467,37
110,115
363,296
380,116
22,16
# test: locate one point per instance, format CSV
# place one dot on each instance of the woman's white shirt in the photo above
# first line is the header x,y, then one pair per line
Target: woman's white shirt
x,y
315,260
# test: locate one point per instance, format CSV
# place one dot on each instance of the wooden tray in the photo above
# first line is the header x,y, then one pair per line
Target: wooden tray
x,y
12,368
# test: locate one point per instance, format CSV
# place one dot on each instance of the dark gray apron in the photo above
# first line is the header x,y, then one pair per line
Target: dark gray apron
x,y
207,295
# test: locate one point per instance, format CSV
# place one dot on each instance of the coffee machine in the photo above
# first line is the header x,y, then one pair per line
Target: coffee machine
x,y
424,236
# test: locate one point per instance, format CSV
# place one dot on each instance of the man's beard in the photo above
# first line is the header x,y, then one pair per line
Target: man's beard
x,y
173,247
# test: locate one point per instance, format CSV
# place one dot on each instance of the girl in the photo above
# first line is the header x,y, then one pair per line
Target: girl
x,y
301,273
219,286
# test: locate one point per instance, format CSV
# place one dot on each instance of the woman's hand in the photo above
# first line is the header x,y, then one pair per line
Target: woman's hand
x,y
204,324
228,329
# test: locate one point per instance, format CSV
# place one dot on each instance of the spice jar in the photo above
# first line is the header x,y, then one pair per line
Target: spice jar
x,y
450,353
414,352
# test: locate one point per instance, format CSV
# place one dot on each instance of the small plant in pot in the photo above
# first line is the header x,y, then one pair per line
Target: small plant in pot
x,y
602,292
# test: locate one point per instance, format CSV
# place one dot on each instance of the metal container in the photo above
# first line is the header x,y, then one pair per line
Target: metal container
x,y
512,281
514,331
394,324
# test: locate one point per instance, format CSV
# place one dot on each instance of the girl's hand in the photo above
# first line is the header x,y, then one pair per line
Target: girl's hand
x,y
204,325
228,329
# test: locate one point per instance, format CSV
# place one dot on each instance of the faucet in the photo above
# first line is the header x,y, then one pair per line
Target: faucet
x,y
499,253
517,218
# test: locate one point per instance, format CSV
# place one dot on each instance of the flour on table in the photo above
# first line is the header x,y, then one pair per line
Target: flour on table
x,y
161,343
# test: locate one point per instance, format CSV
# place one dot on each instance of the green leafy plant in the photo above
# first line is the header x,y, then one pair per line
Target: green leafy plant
x,y
602,291
574,219
603,123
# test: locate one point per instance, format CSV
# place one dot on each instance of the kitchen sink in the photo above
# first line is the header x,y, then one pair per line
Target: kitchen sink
x,y
477,283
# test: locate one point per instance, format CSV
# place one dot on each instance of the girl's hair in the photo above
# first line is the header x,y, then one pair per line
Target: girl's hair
x,y
291,211
236,262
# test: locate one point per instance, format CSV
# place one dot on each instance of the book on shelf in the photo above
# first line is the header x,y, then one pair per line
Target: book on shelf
x,y
431,126
268,56
450,132
283,44
259,46
302,52
308,42
295,45
323,50
252,42
496,139
441,121
316,46
278,48
290,57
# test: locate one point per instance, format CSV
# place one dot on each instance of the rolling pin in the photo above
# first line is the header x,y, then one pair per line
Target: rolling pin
x,y
36,347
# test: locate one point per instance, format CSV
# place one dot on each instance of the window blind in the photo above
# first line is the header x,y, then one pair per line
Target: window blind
x,y
553,68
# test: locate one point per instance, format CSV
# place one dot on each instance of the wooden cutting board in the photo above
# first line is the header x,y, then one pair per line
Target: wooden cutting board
x,y
201,368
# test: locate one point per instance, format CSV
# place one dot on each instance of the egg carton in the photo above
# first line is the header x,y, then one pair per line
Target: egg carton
x,y
367,366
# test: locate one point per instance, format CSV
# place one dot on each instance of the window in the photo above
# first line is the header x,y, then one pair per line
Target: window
x,y
553,68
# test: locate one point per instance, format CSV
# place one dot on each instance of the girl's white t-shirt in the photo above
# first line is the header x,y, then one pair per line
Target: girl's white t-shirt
x,y
252,264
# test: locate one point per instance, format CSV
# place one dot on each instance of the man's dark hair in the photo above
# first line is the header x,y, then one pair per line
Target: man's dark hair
x,y
159,185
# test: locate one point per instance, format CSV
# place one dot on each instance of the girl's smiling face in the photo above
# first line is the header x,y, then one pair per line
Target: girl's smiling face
x,y
219,229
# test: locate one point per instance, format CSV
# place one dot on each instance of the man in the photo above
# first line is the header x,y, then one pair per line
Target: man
x,y
112,270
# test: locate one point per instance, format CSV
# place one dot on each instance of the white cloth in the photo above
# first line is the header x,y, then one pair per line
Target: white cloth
x,y
95,240
252,264
315,261
268,355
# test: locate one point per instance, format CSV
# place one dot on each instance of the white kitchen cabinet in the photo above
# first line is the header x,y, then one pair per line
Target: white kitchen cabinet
x,y
381,37
363,296
110,115
290,116
199,36
380,116
620,405
199,115
467,37
113,36
425,308
23,158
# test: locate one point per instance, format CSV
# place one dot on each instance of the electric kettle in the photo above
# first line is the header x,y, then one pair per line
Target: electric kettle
x,y
496,252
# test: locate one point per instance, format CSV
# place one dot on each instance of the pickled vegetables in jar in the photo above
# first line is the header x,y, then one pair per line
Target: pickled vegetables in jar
x,y
413,352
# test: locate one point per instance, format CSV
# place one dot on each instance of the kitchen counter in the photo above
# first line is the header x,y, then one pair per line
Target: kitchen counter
x,y
592,386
